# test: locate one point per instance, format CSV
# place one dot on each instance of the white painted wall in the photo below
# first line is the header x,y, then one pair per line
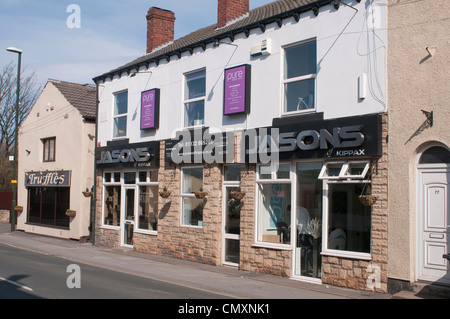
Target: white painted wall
x,y
74,152
347,47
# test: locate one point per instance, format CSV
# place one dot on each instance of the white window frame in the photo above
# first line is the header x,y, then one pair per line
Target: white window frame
x,y
121,183
342,178
106,184
116,116
148,182
189,195
273,180
197,99
344,170
297,79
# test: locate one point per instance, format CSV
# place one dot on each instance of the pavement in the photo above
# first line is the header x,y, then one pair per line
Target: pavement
x,y
229,282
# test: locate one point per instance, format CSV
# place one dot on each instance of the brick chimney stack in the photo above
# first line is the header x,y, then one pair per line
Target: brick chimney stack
x,y
160,28
229,10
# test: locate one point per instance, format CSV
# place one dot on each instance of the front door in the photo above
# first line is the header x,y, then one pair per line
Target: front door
x,y
434,218
231,222
231,214
128,216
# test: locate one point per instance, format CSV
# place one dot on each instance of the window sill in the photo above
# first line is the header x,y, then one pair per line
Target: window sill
x,y
346,254
272,246
47,226
110,227
146,232
299,112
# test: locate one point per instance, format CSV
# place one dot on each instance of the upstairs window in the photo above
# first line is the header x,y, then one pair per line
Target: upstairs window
x,y
194,98
120,114
300,68
49,149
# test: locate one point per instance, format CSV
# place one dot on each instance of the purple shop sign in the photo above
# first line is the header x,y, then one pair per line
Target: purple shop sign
x,y
237,90
150,109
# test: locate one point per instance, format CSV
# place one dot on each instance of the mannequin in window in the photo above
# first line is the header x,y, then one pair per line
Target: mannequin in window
x,y
337,238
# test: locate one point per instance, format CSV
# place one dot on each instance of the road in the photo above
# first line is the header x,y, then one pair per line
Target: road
x,y
28,275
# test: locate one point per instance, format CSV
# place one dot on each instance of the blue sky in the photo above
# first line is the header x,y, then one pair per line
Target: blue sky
x,y
112,33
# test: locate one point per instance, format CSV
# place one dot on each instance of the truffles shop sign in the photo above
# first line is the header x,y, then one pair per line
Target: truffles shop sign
x,y
47,178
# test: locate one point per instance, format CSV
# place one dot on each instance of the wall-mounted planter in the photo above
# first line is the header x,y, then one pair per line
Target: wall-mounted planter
x,y
237,195
71,213
200,195
367,200
165,194
18,209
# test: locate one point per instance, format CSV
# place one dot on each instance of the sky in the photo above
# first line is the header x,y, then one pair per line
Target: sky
x,y
110,33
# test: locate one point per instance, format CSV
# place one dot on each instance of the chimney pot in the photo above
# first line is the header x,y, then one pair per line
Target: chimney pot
x,y
229,10
160,28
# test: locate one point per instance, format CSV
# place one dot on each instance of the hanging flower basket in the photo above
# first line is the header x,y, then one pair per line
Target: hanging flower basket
x,y
200,194
18,209
165,194
237,195
87,194
71,213
367,200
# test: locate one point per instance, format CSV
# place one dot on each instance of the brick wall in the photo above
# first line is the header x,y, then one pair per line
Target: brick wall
x,y
160,28
229,10
195,244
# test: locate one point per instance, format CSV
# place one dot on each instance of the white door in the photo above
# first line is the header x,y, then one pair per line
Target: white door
x,y
128,214
434,224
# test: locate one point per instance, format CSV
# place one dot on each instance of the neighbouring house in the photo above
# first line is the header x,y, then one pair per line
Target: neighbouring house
x,y
56,162
419,141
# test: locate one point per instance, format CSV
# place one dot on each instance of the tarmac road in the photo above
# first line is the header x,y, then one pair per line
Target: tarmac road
x,y
25,274
203,281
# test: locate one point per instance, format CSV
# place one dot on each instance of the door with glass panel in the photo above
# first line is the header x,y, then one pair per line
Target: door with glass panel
x,y
128,215
308,220
232,203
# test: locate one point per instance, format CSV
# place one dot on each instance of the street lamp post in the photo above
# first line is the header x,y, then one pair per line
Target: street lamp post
x,y
13,212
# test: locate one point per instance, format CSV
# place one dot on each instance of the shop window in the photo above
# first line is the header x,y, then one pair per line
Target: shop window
x,y
300,77
274,204
120,114
49,149
148,201
129,178
348,221
112,205
191,207
232,173
145,183
148,207
194,98
48,205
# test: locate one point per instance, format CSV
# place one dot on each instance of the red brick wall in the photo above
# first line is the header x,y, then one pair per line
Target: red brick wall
x,y
160,28
229,10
